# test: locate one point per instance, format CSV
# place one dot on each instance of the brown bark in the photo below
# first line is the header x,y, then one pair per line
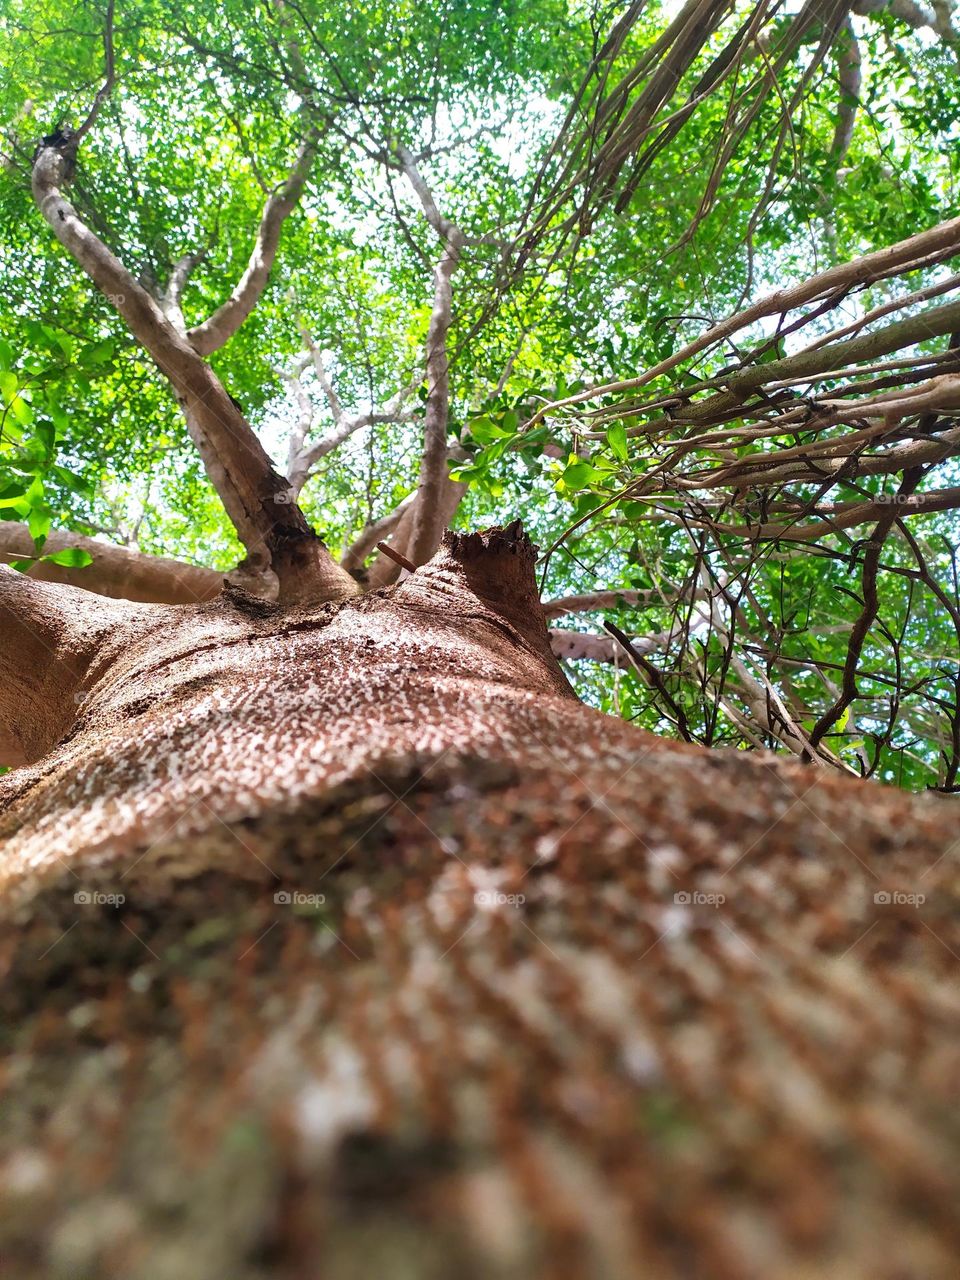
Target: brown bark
x,y
505,1044
116,571
122,574
49,636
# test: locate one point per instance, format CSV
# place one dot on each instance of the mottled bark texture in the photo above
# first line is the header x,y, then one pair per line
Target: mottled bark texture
x,y
424,969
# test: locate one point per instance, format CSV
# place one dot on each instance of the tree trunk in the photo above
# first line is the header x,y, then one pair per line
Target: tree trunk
x,y
341,940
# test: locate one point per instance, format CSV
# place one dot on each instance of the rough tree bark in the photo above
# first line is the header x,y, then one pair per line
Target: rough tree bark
x,y
340,939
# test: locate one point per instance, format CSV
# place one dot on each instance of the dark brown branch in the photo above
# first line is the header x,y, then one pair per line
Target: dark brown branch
x,y
396,557
653,678
871,603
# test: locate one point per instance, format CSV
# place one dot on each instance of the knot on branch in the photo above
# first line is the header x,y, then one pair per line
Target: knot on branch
x,y
63,139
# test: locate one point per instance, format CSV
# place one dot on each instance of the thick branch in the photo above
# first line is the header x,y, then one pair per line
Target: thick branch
x,y
937,17
115,572
580,646
383,571
429,518
257,500
848,68
599,600
48,636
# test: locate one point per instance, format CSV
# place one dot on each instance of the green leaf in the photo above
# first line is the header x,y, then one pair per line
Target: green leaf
x,y
46,433
75,483
39,522
617,440
577,475
485,430
467,474
71,557
57,337
11,493
97,353
22,411
60,418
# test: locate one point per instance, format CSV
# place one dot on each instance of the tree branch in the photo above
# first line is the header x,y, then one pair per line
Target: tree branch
x,y
581,646
848,68
256,498
871,603
302,458
320,369
925,248
116,572
48,637
218,328
103,93
602,600
354,556
652,677
182,270
383,571
429,517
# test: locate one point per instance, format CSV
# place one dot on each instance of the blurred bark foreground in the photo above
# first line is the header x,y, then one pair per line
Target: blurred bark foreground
x,y
341,940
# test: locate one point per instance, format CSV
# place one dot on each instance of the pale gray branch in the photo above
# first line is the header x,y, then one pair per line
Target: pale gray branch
x,y
599,600
218,328
848,67
302,458
256,498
